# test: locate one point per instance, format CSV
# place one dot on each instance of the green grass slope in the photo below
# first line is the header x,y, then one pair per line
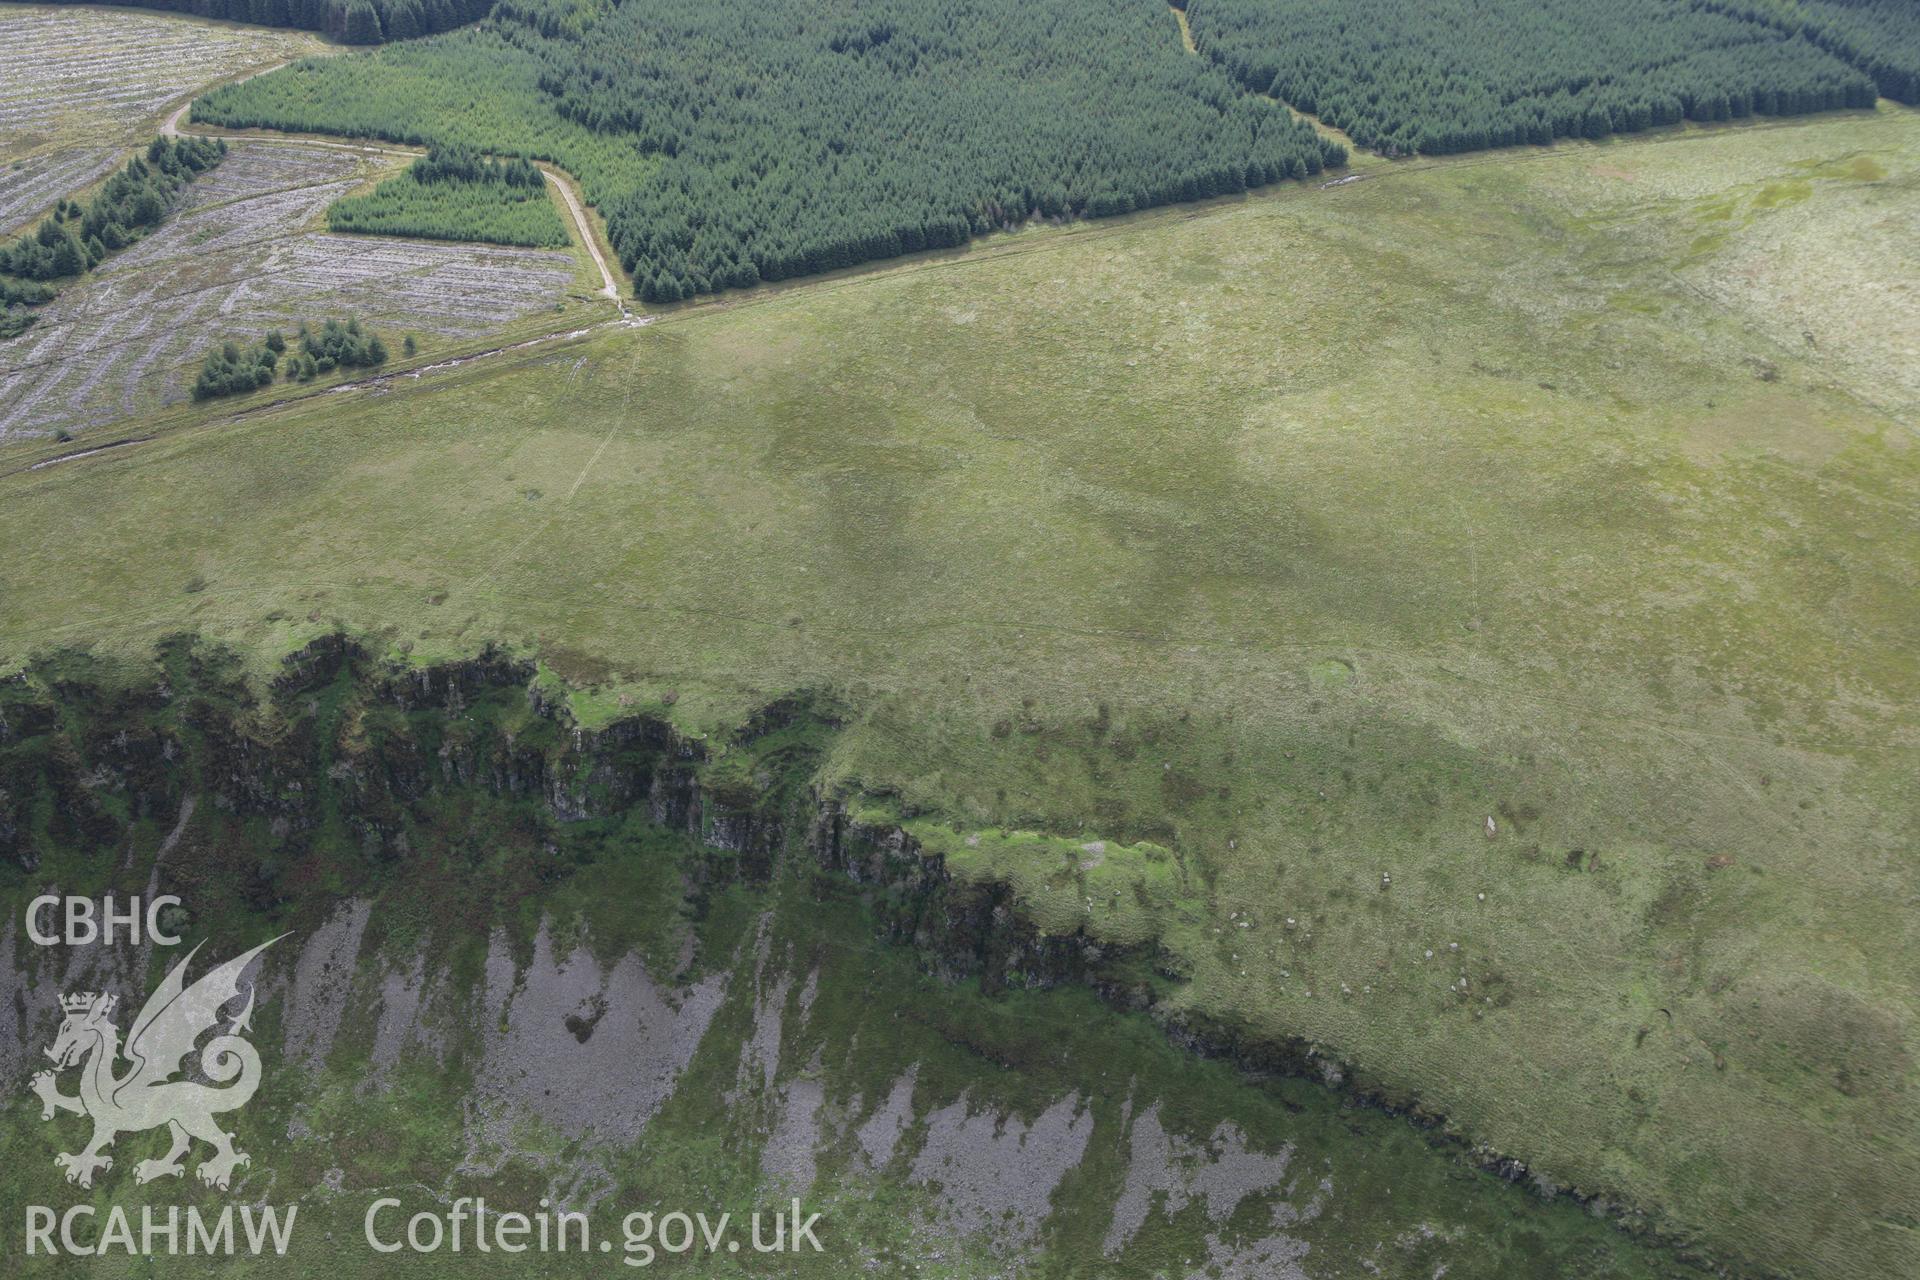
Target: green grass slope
x,y
1503,560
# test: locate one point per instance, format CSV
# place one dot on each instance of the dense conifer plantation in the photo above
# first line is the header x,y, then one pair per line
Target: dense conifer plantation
x,y
1438,76
1881,37
231,369
764,139
23,293
337,344
729,144
16,296
455,193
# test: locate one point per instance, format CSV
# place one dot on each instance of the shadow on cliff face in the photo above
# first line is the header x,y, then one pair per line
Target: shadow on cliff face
x,y
528,960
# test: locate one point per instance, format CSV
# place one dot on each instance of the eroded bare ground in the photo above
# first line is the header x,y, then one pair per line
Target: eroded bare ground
x,y
242,256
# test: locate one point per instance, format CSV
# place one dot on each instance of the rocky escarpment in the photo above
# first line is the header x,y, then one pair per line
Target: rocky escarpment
x,y
964,928
975,928
344,760
339,747
344,750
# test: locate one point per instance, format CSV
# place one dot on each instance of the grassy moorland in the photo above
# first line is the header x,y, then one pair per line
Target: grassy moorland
x,y
1491,583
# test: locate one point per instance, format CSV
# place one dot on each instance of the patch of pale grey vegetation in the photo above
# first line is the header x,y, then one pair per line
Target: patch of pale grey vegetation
x,y
994,1175
602,1088
1278,1257
323,979
401,1026
881,1132
760,1055
1169,1170
788,1161
32,980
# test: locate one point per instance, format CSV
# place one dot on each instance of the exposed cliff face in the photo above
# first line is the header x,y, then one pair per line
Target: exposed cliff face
x,y
349,775
338,742
342,742
964,928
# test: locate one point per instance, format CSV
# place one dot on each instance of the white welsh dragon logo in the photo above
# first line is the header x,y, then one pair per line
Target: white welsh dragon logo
x,y
146,1097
